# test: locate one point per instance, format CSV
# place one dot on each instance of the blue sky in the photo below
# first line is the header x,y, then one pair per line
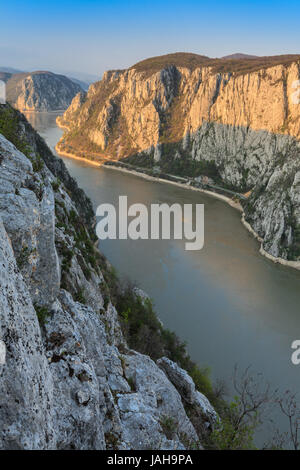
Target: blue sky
x,y
92,36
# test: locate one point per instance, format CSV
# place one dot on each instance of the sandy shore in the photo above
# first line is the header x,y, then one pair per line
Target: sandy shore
x,y
228,200
71,155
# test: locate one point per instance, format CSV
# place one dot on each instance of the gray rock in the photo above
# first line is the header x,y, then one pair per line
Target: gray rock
x,y
71,381
30,222
186,387
26,385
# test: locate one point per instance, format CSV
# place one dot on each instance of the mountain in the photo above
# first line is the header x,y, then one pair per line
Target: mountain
x,y
5,76
72,377
234,120
83,85
40,91
239,55
10,70
81,76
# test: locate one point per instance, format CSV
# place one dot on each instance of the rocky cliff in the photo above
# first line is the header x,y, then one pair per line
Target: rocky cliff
x,y
234,120
40,91
70,380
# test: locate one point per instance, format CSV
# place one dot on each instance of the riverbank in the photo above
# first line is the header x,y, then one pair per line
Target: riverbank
x,y
263,252
71,155
34,111
226,199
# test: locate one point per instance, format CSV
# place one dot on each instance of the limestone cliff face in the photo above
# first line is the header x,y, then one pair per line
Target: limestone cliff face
x,y
70,380
174,102
242,120
41,91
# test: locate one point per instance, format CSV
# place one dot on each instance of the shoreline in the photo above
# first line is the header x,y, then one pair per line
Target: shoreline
x,y
34,111
71,155
60,125
221,197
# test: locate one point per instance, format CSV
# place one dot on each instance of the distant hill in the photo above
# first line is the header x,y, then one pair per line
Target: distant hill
x,y
40,91
10,70
239,55
83,85
5,76
234,63
179,59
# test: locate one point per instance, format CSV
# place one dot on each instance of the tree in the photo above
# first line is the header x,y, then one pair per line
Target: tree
x,y
289,407
240,418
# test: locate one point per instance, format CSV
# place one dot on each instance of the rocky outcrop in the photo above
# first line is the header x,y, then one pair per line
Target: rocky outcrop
x,y
40,91
70,381
201,413
235,121
72,111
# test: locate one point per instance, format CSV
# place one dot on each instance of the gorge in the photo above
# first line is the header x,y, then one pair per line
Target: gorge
x,y
220,123
230,304
236,122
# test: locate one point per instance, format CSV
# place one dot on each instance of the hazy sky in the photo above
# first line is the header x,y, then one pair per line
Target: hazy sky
x,y
92,36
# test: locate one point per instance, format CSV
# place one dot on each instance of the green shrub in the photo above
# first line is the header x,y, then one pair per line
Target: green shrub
x,y
168,425
9,127
42,313
79,296
131,384
23,257
232,433
37,163
56,184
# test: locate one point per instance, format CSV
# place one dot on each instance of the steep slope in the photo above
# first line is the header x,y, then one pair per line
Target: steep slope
x,y
70,380
40,91
236,121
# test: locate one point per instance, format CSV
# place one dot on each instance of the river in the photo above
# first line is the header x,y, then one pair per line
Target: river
x,y
230,304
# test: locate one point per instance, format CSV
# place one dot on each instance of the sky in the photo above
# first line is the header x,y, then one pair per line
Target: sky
x,y
85,38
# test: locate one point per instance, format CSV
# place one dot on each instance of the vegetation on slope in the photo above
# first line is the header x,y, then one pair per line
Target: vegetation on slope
x,y
240,417
232,65
9,127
